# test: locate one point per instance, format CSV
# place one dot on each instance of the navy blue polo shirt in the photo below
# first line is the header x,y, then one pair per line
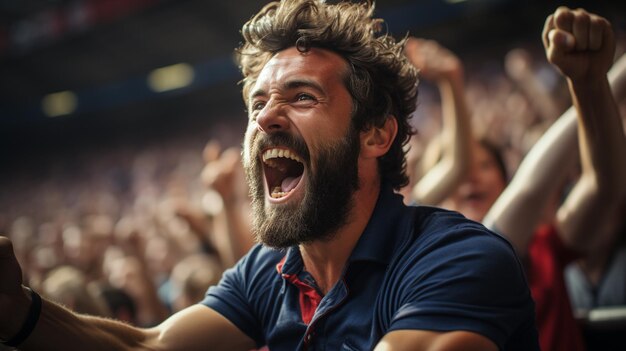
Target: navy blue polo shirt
x,y
413,268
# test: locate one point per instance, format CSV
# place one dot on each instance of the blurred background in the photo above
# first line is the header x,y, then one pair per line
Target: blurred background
x,y
77,74
95,94
121,121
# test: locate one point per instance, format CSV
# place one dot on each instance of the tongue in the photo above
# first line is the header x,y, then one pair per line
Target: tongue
x,y
289,183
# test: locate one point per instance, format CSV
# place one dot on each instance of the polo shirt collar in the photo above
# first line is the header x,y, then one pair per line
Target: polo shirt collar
x,y
378,240
292,262
381,235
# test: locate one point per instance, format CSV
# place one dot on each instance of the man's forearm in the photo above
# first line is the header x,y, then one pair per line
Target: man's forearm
x,y
601,144
456,141
60,329
600,130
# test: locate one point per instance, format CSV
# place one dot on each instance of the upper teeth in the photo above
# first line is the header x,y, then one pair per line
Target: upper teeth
x,y
275,153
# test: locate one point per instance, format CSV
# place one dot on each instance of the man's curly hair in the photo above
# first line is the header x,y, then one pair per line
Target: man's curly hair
x,y
380,79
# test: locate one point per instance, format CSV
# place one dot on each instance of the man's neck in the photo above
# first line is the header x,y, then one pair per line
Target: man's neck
x,y
325,260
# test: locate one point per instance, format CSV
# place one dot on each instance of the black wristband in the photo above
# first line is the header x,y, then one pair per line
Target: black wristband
x,y
29,323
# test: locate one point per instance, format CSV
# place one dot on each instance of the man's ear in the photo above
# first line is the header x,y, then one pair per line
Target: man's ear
x,y
376,141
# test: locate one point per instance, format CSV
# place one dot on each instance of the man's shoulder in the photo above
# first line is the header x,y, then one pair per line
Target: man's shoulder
x,y
441,230
449,252
438,221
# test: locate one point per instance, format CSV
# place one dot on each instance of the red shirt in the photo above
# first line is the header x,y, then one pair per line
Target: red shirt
x,y
546,261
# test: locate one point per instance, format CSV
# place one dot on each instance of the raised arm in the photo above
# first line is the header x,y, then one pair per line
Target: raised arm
x,y
581,46
442,67
518,210
56,328
232,234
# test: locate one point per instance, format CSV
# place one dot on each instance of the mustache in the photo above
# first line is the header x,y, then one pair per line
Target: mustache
x,y
265,141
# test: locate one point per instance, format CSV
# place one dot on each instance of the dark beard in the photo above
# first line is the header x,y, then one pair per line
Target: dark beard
x,y
328,197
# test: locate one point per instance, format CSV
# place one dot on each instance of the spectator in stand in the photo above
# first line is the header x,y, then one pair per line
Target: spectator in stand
x,y
192,277
129,274
329,99
223,176
581,46
485,181
454,153
528,198
440,66
598,279
68,286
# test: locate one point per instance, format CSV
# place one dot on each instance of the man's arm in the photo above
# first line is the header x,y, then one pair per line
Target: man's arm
x,y
231,228
194,328
581,46
442,67
600,135
415,340
520,207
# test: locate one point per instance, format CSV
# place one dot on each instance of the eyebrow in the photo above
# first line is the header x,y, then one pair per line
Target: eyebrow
x,y
289,85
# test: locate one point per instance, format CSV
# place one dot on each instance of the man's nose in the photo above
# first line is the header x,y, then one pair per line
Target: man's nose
x,y
272,118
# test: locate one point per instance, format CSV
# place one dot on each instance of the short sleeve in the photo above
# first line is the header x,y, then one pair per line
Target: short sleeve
x,y
466,279
237,292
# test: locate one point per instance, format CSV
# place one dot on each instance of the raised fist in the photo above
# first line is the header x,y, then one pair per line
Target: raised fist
x,y
434,61
580,44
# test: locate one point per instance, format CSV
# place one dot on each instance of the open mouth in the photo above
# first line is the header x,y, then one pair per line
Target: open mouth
x,y
283,171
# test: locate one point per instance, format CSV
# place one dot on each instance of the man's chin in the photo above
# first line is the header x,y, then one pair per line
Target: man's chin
x,y
276,245
277,225
276,239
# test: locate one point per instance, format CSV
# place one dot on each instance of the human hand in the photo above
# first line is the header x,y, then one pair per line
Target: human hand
x,y
10,271
220,171
434,61
11,290
580,44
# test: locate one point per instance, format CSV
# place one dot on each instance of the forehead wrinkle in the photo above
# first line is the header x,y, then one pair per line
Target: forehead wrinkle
x,y
297,69
302,82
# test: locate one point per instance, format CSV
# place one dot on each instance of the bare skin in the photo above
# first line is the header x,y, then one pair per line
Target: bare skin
x,y
441,66
197,327
321,112
581,46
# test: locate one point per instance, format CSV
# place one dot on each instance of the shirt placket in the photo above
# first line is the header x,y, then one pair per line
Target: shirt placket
x,y
329,303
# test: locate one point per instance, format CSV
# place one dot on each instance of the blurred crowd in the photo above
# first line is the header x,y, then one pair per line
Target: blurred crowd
x,y
140,233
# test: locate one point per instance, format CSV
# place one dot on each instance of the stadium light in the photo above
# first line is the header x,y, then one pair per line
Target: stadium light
x,y
59,104
171,77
